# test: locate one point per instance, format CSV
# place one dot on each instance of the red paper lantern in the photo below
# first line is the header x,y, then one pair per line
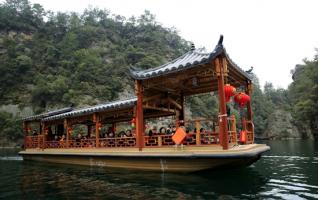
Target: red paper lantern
x,y
99,126
229,91
243,136
133,123
69,130
242,99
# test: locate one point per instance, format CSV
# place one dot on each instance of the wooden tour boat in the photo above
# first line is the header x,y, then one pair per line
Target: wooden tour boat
x,y
160,93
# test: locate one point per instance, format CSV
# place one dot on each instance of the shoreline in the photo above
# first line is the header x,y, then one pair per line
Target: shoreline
x,y
10,147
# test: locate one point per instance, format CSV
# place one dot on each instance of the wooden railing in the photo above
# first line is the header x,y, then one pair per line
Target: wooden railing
x,y
209,137
204,138
232,130
248,126
53,144
31,142
81,143
117,142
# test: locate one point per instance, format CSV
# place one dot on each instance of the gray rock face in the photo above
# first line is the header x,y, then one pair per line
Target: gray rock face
x,y
280,126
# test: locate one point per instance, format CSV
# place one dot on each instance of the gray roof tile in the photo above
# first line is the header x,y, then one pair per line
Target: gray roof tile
x,y
190,59
98,108
47,114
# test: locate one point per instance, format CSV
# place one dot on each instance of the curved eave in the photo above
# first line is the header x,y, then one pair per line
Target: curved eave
x,y
94,109
192,58
235,66
189,60
39,117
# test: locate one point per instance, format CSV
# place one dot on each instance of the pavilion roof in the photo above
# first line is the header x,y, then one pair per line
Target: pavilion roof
x,y
47,114
191,59
93,109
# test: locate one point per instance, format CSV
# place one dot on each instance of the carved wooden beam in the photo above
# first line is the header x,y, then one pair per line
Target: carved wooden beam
x,y
174,103
145,99
159,108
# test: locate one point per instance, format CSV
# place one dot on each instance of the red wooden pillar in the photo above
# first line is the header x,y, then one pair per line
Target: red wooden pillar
x,y
25,131
66,131
114,127
249,106
221,70
182,114
177,118
97,127
89,130
43,133
249,110
139,115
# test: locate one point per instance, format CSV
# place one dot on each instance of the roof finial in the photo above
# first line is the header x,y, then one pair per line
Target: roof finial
x,y
192,47
250,70
220,40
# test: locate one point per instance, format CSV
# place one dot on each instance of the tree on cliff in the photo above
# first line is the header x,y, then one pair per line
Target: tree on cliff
x,y
303,94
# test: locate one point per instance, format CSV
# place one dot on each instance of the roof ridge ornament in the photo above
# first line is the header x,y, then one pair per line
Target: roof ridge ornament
x,y
192,47
220,43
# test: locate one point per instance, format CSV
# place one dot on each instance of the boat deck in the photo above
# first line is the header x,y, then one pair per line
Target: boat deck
x,y
162,151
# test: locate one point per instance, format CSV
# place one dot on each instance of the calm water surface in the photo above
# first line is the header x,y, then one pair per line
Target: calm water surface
x,y
288,171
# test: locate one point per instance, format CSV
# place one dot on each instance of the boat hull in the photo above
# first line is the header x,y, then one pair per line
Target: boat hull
x,y
152,161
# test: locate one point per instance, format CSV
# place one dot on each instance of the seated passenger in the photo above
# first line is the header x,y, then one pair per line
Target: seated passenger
x,y
110,135
56,138
62,138
62,141
128,133
162,131
168,131
187,131
78,138
122,134
154,130
174,129
150,133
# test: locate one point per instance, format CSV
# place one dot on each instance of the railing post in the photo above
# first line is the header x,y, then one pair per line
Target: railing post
x,y
197,133
244,124
233,128
159,140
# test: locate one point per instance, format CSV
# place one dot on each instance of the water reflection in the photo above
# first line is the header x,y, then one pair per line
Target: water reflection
x,y
70,181
284,173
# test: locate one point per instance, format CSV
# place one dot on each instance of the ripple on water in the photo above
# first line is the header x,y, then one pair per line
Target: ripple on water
x,y
309,195
18,158
293,183
287,189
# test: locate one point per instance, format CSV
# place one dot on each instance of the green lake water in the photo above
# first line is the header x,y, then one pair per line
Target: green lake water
x,y
288,171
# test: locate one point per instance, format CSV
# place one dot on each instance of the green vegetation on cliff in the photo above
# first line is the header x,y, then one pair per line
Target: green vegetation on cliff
x,y
71,58
303,94
51,60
